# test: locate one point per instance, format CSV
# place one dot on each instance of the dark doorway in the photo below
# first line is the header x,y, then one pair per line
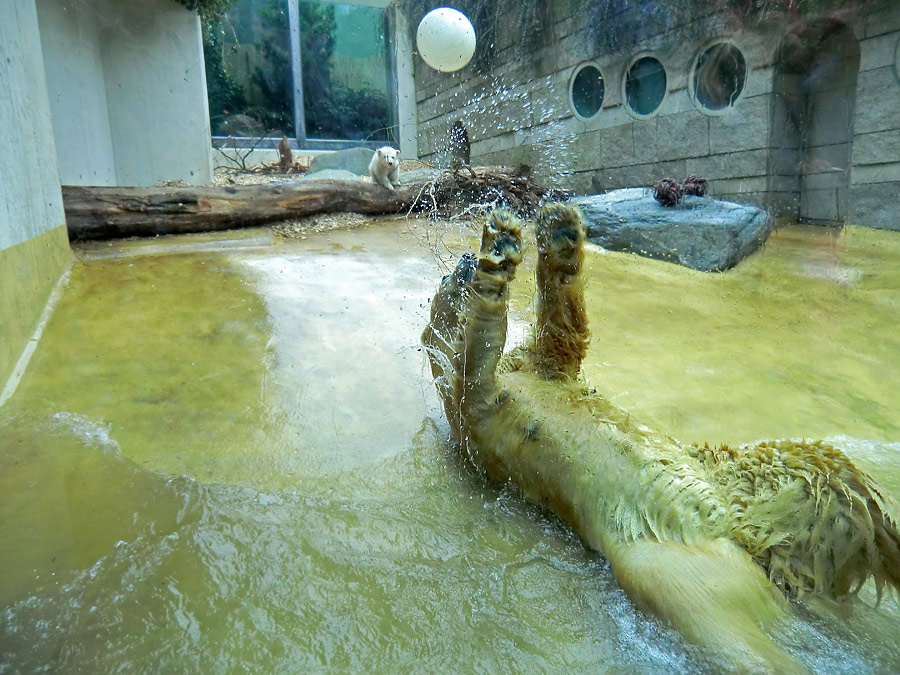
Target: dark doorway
x,y
812,128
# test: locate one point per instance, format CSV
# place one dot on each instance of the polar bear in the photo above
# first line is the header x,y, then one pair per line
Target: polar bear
x,y
710,540
385,166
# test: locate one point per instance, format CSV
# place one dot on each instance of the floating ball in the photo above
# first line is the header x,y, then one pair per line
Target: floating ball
x,y
445,39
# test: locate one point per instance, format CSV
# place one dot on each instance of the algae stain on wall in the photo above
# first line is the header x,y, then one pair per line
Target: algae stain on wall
x,y
28,273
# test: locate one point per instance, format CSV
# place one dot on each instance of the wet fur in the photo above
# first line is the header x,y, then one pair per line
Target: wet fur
x,y
710,540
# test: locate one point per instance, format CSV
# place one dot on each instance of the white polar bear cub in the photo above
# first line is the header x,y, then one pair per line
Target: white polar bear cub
x,y
385,166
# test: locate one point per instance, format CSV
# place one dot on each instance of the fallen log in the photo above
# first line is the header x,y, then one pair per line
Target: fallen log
x,y
110,212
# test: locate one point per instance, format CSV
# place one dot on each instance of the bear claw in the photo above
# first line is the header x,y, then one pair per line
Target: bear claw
x,y
560,236
501,241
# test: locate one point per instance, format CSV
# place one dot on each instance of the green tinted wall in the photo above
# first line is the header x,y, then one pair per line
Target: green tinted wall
x,y
33,243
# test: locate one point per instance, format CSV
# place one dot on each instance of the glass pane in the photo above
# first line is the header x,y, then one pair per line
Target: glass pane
x,y
719,76
587,91
645,85
345,72
248,70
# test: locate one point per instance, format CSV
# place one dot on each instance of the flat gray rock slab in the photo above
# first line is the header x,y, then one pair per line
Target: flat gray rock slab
x,y
353,159
330,174
702,233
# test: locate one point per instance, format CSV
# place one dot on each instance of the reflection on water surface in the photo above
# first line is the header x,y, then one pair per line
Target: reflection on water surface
x,y
231,457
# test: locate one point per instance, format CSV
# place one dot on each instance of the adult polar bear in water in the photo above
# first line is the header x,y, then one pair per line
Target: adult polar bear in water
x,y
711,540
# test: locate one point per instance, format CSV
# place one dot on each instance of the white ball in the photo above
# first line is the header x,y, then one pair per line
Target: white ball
x,y
445,39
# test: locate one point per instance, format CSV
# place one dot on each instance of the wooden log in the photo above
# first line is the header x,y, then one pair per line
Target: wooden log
x,y
110,212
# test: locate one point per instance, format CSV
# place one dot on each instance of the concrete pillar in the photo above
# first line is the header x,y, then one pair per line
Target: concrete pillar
x,y
405,85
127,89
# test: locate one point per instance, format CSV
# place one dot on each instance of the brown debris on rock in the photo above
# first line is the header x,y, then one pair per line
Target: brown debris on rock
x,y
694,185
667,192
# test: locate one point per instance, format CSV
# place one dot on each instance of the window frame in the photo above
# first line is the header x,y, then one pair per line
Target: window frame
x,y
624,89
575,72
709,44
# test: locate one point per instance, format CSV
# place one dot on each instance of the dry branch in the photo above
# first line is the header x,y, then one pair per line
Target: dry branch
x,y
486,188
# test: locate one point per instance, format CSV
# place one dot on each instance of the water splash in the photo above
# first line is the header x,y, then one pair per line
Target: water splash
x,y
93,433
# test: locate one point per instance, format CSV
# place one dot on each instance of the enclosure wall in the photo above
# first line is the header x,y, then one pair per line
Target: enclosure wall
x,y
516,105
875,179
127,89
74,70
33,242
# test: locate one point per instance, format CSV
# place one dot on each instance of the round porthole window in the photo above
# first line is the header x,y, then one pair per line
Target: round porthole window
x,y
586,90
719,76
645,86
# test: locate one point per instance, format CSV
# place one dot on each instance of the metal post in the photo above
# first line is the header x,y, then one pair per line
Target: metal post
x,y
297,70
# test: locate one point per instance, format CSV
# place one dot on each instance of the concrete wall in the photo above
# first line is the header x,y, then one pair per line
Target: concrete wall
x,y
33,243
127,90
91,92
520,112
404,85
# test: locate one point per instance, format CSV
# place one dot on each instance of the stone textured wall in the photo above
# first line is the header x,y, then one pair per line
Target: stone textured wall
x,y
84,143
750,152
875,176
828,101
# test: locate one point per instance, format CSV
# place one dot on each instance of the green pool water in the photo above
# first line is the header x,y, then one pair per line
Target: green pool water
x,y
226,454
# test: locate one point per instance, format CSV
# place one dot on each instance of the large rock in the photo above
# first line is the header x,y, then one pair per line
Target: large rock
x,y
700,232
354,159
330,174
